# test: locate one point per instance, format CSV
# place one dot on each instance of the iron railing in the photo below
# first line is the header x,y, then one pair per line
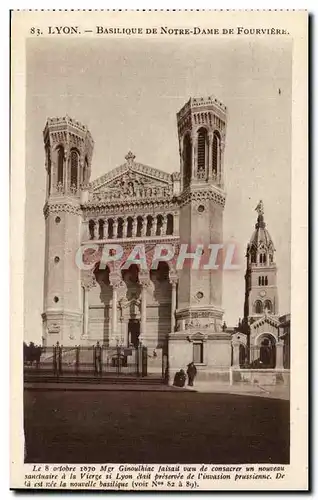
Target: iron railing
x,y
91,360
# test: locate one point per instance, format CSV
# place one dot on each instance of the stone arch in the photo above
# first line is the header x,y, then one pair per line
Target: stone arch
x,y
159,225
170,227
120,228
268,305
265,343
150,222
258,307
139,226
110,228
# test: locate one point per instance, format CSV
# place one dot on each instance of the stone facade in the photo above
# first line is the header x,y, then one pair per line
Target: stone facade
x,y
175,311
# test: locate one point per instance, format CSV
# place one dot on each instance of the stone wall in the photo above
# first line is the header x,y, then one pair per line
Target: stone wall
x,y
261,377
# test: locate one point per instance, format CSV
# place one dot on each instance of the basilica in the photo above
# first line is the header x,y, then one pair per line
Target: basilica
x,y
173,312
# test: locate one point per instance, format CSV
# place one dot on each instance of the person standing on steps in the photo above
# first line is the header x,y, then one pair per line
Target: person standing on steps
x,y
98,359
191,372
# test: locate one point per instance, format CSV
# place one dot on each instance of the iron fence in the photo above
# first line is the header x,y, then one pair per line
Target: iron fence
x,y
90,360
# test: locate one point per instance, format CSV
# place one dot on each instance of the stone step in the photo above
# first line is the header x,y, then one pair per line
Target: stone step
x,y
42,378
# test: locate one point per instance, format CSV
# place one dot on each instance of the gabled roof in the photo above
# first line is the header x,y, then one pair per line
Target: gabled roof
x,y
131,166
267,318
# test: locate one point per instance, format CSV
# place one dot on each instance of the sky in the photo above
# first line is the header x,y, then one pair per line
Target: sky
x,y
128,92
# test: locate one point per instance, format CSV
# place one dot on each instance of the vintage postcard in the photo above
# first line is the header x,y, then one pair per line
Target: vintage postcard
x,y
159,290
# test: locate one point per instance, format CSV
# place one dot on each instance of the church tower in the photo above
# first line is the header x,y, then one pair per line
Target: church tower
x,y
261,294
201,132
68,155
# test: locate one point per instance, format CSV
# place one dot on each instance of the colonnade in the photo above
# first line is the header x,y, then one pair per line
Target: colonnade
x,y
132,226
115,280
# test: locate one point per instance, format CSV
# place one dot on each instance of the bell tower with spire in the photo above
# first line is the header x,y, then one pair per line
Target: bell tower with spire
x,y
261,294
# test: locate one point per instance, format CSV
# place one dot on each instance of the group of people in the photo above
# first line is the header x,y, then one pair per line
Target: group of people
x,y
181,377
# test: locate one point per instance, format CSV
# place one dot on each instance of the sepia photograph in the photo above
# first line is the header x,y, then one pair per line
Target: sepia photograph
x,y
157,270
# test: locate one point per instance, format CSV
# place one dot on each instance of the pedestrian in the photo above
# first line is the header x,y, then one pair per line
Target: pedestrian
x,y
191,372
98,359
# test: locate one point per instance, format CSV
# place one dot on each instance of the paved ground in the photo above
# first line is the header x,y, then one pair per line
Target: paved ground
x,y
154,426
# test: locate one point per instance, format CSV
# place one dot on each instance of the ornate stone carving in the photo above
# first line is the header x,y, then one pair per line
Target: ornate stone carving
x,y
115,279
173,278
53,328
144,279
201,195
88,280
54,208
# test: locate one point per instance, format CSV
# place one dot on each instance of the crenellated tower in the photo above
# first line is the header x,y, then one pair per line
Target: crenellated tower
x,y
68,156
201,132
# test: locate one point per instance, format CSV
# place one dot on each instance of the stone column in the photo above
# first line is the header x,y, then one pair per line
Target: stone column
x,y
173,280
153,227
279,356
96,230
125,226
105,229
133,227
115,228
236,354
164,225
175,216
88,281
144,282
115,281
85,314
144,226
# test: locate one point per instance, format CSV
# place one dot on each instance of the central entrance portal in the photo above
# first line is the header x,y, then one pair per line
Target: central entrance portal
x,y
133,332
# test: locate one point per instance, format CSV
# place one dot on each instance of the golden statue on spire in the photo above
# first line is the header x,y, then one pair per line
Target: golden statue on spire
x,y
260,208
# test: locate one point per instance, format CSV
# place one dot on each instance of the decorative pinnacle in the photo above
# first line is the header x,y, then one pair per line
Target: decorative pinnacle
x,y
130,157
260,218
260,208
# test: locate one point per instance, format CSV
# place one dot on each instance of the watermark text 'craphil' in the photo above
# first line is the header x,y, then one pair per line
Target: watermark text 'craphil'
x,y
214,256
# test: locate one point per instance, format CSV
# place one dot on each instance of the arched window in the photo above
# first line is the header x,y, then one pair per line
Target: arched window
x,y
187,160
268,305
139,226
91,226
216,153
60,165
259,281
74,168
266,281
169,224
258,307
253,256
120,229
202,153
110,234
101,224
262,258
159,224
